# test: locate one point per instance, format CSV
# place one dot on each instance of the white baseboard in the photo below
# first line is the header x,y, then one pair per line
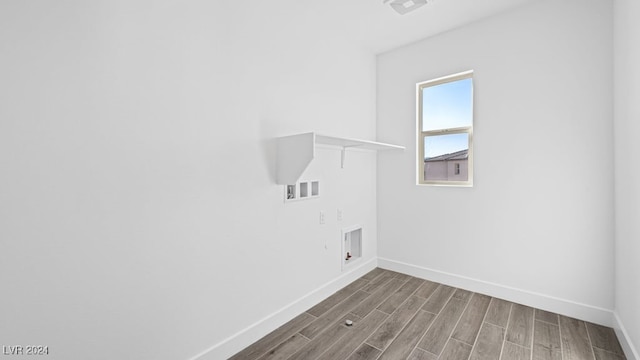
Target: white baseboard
x,y
233,344
565,307
629,350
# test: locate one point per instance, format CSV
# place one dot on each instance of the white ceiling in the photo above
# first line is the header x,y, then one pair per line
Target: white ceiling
x,y
378,27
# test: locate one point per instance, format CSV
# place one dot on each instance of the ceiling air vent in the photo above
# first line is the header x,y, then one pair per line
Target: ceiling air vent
x,y
405,6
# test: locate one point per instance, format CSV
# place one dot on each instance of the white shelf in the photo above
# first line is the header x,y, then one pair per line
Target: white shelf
x,y
355,143
296,152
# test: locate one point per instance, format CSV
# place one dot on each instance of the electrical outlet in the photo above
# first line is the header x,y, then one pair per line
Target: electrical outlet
x,y
322,217
339,215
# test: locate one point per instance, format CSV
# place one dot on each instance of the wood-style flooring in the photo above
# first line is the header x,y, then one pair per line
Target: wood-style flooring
x,y
397,317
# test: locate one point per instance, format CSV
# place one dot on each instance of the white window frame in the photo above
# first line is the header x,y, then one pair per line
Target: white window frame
x,y
448,131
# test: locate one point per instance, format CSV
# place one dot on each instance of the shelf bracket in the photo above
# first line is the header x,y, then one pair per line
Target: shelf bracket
x,y
343,154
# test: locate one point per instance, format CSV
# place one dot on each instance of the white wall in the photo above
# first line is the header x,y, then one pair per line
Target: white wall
x,y
627,174
139,217
537,227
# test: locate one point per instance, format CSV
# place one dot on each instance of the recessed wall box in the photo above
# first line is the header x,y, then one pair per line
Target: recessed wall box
x,y
351,245
302,190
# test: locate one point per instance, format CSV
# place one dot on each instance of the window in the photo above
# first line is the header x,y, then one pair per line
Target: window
x,y
445,130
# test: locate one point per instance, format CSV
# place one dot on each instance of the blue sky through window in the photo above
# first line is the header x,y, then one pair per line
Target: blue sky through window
x,y
445,106
445,144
